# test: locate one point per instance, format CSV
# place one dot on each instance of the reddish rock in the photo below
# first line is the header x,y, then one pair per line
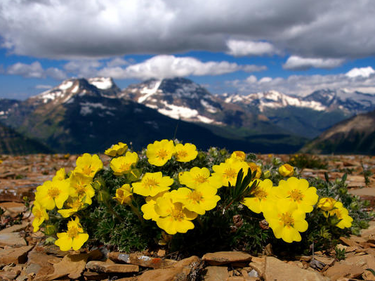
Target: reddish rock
x,y
276,269
221,258
14,255
110,267
216,273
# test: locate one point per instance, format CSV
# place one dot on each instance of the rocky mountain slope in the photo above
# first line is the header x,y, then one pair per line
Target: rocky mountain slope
x,y
355,135
14,143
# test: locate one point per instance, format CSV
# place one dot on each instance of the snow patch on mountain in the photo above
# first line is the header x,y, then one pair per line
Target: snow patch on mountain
x,y
184,113
88,108
148,92
103,83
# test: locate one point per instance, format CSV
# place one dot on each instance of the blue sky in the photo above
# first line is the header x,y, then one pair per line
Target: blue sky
x,y
241,46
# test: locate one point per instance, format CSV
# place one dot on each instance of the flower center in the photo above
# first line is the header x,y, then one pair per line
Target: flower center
x,y
260,193
177,214
200,179
150,183
296,195
286,219
162,153
87,170
182,154
72,232
125,167
230,173
53,192
196,196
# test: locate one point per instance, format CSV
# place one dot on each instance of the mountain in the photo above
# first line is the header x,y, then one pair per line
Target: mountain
x,y
352,136
350,103
305,116
89,115
14,143
181,98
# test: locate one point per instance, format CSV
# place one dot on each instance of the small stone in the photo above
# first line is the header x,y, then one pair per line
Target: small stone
x,y
216,273
14,255
15,228
12,239
71,266
141,260
343,270
107,267
276,269
221,258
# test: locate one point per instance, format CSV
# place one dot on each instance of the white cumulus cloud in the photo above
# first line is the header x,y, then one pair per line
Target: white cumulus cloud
x,y
239,48
360,72
35,70
299,63
168,66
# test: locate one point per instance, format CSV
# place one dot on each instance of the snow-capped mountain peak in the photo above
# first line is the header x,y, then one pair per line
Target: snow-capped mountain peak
x,y
271,99
99,86
103,83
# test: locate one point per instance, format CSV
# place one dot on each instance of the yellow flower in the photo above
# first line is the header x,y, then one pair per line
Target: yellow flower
x,y
186,152
286,220
60,175
263,196
326,203
286,170
173,217
53,193
88,165
201,199
298,191
40,215
123,164
198,176
228,171
148,209
124,194
116,149
255,168
74,204
238,155
342,214
159,152
73,238
81,187
152,183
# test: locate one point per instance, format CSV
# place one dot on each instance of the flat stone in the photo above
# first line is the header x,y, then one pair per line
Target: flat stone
x,y
38,264
14,255
100,266
71,266
141,260
276,269
15,228
12,239
221,258
339,270
216,273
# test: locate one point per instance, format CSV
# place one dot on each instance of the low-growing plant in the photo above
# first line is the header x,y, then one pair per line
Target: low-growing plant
x,y
171,195
310,161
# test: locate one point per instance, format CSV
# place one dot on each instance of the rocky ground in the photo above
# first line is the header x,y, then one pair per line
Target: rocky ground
x,y
23,257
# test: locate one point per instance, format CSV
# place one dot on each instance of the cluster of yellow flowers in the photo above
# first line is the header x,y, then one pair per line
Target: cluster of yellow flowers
x,y
68,195
174,202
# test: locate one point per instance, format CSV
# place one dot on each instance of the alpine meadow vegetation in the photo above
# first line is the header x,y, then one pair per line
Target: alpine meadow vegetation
x,y
173,196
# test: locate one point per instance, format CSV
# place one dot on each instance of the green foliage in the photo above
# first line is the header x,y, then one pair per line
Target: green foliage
x,y
302,161
340,254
